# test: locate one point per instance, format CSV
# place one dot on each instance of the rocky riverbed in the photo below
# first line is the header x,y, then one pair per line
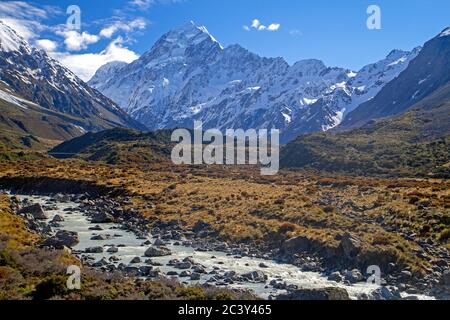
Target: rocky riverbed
x,y
104,235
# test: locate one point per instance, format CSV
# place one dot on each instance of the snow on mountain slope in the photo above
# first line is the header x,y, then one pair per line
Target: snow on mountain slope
x,y
33,75
187,75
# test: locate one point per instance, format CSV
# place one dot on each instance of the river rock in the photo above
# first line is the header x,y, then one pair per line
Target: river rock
x,y
102,217
185,274
94,250
386,293
157,252
62,239
112,250
335,276
35,210
195,276
58,218
145,270
184,265
354,276
100,237
332,293
136,260
159,243
255,276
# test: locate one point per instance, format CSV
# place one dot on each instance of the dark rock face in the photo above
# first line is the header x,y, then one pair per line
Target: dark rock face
x,y
350,245
200,226
316,294
62,239
297,245
35,210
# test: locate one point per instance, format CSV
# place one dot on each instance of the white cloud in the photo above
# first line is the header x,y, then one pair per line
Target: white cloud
x,y
25,28
76,41
46,45
85,65
146,4
24,10
295,32
256,24
136,24
274,27
142,4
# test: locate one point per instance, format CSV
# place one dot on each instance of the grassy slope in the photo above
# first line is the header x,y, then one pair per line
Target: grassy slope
x,y
415,143
117,146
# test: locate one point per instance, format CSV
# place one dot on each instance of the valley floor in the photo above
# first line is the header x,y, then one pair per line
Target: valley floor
x,y
320,223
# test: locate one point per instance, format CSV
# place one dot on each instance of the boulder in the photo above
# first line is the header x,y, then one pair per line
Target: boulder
x,y
57,218
101,237
185,274
354,276
157,252
112,250
332,293
350,245
386,293
195,276
94,250
335,276
102,217
255,276
35,210
62,239
296,245
184,265
145,270
135,260
159,242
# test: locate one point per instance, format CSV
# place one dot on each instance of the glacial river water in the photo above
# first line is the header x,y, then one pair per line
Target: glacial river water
x,y
129,247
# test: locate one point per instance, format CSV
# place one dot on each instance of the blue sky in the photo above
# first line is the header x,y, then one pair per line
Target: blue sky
x,y
333,31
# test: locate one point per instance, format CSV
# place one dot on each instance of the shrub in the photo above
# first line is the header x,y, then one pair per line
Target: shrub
x,y
50,287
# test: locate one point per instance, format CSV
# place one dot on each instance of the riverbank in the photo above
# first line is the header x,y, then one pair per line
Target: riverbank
x,y
112,239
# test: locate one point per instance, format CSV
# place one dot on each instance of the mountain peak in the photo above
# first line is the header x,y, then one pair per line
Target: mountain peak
x,y
9,39
190,32
445,33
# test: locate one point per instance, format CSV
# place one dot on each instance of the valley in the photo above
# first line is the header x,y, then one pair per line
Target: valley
x,y
87,179
299,219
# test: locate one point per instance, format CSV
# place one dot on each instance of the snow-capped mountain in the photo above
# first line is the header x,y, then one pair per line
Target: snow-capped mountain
x,y
187,75
31,74
429,72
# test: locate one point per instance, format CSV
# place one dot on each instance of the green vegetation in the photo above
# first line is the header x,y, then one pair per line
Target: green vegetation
x,y
407,145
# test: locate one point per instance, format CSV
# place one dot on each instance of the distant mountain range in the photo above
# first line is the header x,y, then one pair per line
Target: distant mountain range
x,y
38,96
187,75
409,131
